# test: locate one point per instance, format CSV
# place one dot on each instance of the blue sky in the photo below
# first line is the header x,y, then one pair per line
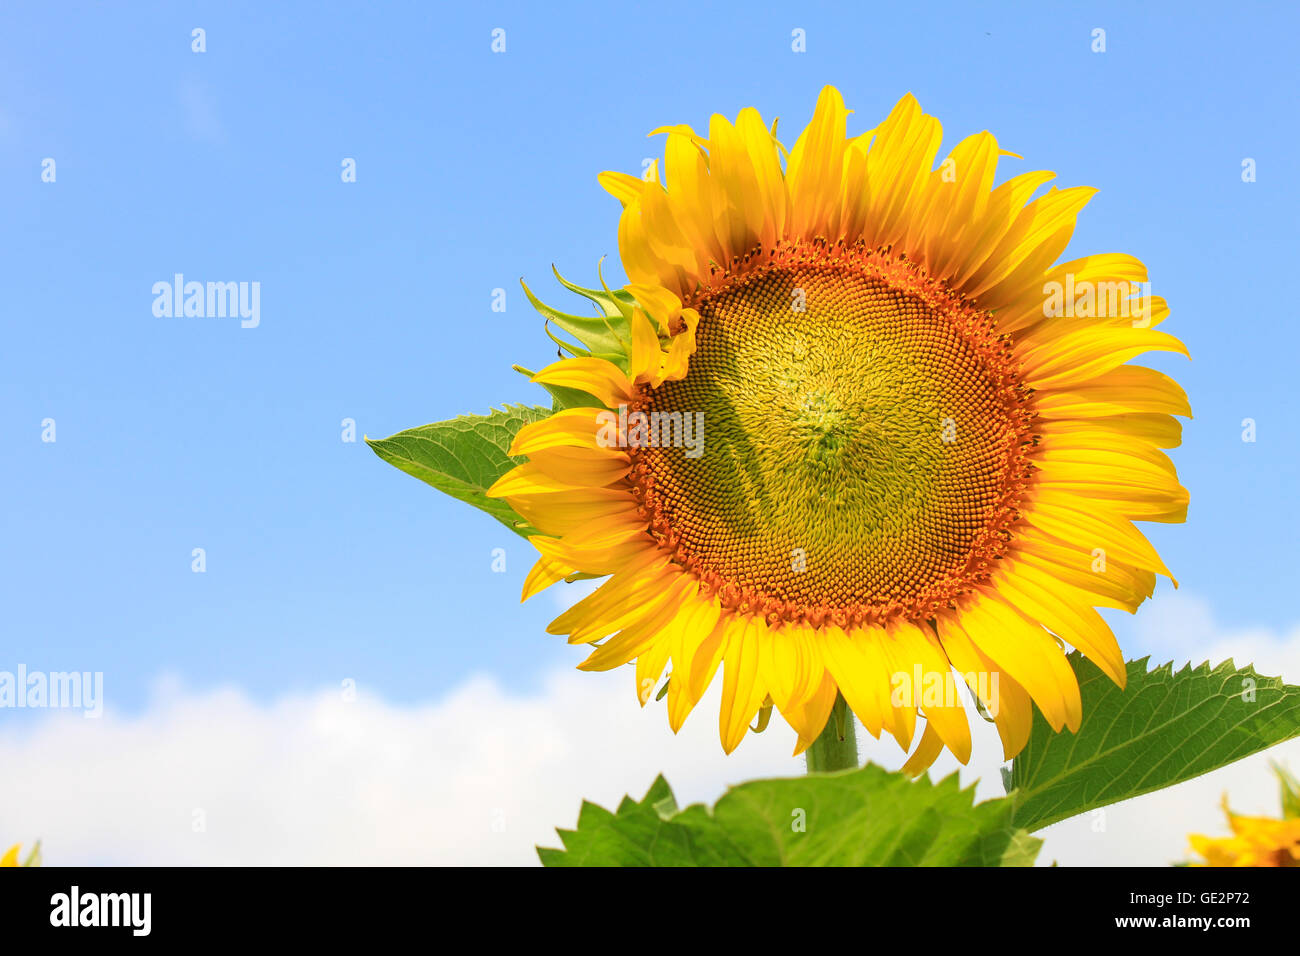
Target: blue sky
x,y
474,169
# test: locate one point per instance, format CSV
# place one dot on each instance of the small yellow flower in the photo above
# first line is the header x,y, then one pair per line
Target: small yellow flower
x,y
1255,841
10,857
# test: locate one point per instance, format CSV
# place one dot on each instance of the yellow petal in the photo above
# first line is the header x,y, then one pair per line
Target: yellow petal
x,y
1038,236
708,655
736,183
926,753
810,718
560,514
764,158
626,189
691,192
1083,521
646,364
1052,604
780,663
594,429
543,574
599,378
1006,701
1160,430
959,202
899,163
855,661
935,694
1107,580
593,467
633,583
620,547
528,479
657,302
690,638
816,165
1076,357
1126,388
1096,272
1025,651
742,689
639,635
1000,216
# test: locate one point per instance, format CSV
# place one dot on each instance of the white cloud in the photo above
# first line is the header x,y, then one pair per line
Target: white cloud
x,y
481,776
478,777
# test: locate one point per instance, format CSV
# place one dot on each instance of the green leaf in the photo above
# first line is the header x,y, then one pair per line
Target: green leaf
x,y
866,817
1290,792
1022,850
1165,728
464,457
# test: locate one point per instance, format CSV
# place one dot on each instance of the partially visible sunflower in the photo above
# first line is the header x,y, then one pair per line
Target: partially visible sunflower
x,y
1255,841
10,857
910,465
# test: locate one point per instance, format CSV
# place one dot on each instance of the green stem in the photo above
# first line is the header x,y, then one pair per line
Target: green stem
x,y
836,748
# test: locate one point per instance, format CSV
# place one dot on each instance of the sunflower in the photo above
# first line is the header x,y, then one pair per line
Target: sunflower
x,y
1255,841
10,856
923,452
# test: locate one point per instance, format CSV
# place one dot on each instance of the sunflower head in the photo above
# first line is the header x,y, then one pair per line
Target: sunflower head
x,y
850,430
1256,841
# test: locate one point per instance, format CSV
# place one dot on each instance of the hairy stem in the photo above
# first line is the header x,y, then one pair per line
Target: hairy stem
x,y
836,748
